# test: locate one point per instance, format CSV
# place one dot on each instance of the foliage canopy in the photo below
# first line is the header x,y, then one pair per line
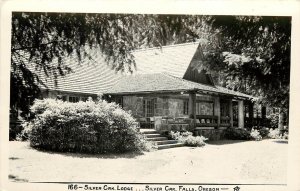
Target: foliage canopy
x,y
253,52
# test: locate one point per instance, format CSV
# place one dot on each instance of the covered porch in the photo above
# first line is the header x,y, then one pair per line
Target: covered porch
x,y
202,111
167,103
196,110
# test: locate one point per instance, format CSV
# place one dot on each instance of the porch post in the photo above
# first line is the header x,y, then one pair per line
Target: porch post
x,y
192,106
263,115
241,113
231,113
251,113
217,109
263,112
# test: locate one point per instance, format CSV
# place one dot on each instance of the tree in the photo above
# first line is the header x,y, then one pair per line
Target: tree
x,y
254,53
46,38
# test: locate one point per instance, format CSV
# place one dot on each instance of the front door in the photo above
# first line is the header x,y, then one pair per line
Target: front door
x,y
148,108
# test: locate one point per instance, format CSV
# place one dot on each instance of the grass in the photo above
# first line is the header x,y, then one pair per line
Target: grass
x,y
262,162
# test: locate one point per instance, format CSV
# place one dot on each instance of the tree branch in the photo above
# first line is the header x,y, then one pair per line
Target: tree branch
x,y
32,47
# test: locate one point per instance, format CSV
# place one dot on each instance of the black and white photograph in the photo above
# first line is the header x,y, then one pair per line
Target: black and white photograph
x,y
160,101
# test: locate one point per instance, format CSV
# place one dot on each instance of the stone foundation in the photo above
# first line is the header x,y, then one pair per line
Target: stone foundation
x,y
211,134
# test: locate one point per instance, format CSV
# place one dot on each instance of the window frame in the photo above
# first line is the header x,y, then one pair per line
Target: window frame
x,y
185,107
74,97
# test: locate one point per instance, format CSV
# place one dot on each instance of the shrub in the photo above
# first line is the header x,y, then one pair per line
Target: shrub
x,y
188,139
263,131
285,135
274,119
274,134
25,133
89,127
255,135
14,130
237,134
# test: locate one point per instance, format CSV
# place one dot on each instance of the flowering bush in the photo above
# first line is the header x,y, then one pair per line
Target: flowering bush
x,y
237,134
274,134
274,119
255,135
263,131
90,127
188,139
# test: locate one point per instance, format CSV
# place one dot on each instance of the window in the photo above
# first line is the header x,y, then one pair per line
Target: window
x,y
119,100
148,107
73,99
246,110
257,111
224,107
186,107
62,97
204,108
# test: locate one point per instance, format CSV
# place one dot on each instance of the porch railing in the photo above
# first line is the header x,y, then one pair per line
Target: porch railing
x,y
225,121
206,121
172,124
166,123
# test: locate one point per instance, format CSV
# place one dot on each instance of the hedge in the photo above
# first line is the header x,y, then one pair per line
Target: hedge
x,y
237,134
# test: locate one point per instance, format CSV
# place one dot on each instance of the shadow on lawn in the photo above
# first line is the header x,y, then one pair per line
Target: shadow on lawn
x,y
281,141
224,142
83,155
16,179
86,155
14,158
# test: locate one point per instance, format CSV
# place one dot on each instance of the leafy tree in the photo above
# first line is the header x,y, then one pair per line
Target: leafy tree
x,y
46,38
254,53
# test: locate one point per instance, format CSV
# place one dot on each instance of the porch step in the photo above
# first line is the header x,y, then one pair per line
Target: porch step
x,y
157,139
165,142
152,135
168,146
148,131
161,141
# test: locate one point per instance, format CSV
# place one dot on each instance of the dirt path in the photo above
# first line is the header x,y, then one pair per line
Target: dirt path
x,y
218,162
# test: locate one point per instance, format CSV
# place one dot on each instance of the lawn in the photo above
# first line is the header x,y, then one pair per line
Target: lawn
x,y
262,162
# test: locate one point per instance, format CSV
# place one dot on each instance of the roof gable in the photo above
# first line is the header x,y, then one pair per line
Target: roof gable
x,y
194,71
173,59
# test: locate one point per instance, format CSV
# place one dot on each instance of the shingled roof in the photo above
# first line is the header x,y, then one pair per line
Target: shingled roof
x,y
158,69
164,82
90,76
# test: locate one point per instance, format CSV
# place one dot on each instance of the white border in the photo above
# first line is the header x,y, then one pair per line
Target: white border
x,y
204,7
